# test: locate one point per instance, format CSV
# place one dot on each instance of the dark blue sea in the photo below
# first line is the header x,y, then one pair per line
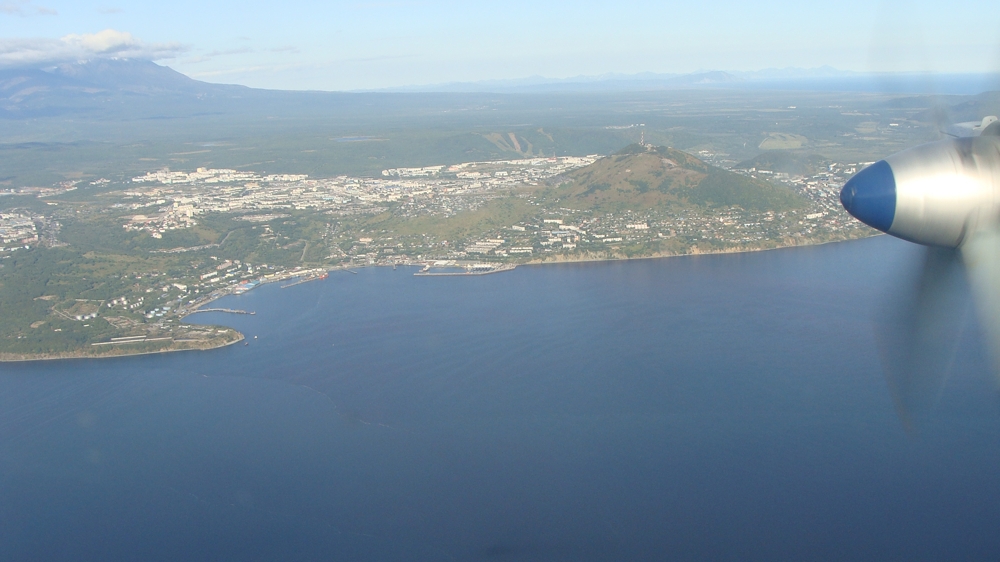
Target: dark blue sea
x,y
703,408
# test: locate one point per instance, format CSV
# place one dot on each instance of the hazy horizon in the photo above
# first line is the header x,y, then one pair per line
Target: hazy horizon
x,y
345,46
823,78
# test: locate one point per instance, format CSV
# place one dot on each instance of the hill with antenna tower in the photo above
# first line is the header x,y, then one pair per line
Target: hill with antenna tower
x,y
643,176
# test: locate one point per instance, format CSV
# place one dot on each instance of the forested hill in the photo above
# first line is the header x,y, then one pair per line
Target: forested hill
x,y
646,177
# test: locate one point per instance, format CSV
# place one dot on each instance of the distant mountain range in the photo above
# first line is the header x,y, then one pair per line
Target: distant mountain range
x,y
84,86
824,78
604,82
126,88
639,81
130,89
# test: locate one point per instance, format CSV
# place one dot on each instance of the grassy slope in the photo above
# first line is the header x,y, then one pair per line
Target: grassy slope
x,y
661,178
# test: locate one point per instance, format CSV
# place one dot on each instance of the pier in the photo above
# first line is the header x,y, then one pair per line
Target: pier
x,y
475,269
229,310
305,280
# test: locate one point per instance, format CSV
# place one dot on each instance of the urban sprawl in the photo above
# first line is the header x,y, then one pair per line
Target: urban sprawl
x,y
162,201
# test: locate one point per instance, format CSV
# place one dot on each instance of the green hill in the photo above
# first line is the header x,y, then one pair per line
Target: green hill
x,y
640,177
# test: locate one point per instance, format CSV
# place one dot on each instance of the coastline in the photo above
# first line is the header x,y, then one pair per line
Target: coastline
x,y
123,352
657,256
112,353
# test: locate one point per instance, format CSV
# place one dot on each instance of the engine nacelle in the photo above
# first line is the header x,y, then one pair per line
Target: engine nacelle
x,y
933,194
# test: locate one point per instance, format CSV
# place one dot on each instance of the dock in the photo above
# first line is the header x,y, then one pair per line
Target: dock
x,y
477,269
131,339
305,280
229,310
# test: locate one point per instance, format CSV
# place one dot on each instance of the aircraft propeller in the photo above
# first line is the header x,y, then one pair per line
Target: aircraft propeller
x,y
944,195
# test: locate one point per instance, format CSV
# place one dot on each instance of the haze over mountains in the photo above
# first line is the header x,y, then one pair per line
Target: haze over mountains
x,y
98,85
824,78
638,81
126,86
137,91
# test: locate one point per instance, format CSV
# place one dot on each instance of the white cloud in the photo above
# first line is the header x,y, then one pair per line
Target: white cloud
x,y
212,55
103,44
24,8
239,51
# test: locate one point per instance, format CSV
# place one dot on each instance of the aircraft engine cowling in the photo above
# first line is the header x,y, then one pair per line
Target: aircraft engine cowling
x,y
933,194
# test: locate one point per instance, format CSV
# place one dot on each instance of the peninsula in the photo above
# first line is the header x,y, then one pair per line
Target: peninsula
x,y
115,271
132,196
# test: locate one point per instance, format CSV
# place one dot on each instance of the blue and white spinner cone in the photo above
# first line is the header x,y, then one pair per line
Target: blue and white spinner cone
x,y
943,195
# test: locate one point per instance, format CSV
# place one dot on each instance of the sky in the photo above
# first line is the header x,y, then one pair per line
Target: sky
x,y
336,45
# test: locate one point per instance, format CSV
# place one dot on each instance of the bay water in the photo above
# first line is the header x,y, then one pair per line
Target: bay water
x,y
727,407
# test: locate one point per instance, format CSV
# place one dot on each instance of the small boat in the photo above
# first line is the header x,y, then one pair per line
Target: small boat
x,y
246,343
